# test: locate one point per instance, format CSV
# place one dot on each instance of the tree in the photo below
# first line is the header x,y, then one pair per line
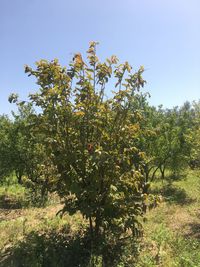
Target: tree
x,y
22,153
164,140
5,126
193,136
92,143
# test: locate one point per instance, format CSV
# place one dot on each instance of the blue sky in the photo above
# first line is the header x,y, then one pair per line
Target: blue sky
x,y
162,35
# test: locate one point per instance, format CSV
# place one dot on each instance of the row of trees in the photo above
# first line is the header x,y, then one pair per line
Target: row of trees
x,y
168,137
97,150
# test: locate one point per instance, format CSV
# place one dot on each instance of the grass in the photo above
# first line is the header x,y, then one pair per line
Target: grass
x,y
172,230
12,196
35,237
32,236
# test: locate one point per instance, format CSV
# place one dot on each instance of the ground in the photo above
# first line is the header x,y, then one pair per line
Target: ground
x,y
36,237
172,230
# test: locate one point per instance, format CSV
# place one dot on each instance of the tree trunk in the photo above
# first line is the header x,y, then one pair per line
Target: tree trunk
x,y
91,236
19,177
162,170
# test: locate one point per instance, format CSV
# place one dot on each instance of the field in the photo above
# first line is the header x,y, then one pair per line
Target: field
x,y
36,237
172,231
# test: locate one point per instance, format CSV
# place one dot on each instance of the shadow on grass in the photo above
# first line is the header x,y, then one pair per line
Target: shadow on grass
x,y
9,203
64,248
174,194
16,202
51,249
176,177
194,230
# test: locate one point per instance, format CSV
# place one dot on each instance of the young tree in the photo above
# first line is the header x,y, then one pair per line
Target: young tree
x,y
23,153
92,142
164,140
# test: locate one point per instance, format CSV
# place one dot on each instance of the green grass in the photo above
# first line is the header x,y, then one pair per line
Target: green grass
x,y
32,236
35,237
172,230
28,234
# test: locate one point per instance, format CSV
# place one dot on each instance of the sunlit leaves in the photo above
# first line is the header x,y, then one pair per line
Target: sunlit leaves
x,y
92,142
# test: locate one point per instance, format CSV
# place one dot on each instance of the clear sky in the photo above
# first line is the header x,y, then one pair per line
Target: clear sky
x,y
162,35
